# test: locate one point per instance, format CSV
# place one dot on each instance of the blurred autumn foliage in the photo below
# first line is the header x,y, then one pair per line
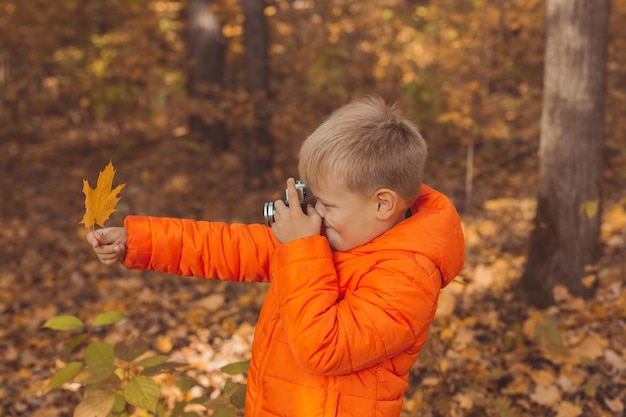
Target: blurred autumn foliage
x,y
84,82
75,72
90,71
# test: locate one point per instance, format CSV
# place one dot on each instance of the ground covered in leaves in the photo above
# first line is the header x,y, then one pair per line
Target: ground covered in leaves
x,y
488,354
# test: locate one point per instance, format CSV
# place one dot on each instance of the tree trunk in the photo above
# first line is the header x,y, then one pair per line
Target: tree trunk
x,y
566,227
260,143
206,50
4,77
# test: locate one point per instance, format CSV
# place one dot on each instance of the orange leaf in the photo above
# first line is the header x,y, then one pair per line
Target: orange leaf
x,y
100,201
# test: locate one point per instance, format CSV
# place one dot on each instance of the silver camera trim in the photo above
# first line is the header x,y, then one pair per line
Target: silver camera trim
x,y
304,193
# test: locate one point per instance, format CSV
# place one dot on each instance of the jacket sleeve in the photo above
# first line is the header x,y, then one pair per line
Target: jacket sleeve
x,y
388,313
203,249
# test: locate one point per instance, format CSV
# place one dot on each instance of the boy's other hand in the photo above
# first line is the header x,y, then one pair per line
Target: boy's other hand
x,y
109,244
290,222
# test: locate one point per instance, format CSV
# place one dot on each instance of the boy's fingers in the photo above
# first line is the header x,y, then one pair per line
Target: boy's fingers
x,y
96,238
110,257
99,235
92,239
107,249
109,261
294,198
102,237
107,244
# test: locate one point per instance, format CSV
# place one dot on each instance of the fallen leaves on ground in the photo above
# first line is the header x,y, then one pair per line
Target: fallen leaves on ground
x,y
487,355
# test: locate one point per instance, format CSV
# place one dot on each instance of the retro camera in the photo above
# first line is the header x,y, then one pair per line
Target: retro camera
x,y
304,195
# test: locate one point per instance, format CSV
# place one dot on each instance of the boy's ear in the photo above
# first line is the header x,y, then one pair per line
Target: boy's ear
x,y
387,203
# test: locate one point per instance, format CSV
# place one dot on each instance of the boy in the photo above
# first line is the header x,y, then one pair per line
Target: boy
x,y
354,280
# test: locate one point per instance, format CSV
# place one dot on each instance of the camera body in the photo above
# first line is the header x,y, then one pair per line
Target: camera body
x,y
304,196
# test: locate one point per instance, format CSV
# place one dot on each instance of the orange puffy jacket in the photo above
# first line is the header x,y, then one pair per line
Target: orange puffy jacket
x,y
339,331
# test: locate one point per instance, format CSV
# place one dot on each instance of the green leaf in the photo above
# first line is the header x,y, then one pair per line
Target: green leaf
x,y
130,350
152,361
99,353
198,400
185,383
162,412
590,208
224,412
230,386
161,368
549,330
109,317
64,323
71,345
142,392
218,403
120,403
236,368
238,398
95,374
586,361
112,383
95,405
179,409
64,374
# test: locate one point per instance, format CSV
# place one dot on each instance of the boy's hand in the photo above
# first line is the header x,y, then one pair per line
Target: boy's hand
x,y
291,223
109,244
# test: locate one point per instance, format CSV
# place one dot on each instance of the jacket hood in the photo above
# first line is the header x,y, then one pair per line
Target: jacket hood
x,y
433,230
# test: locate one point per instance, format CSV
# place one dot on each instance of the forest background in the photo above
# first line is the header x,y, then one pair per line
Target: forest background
x,y
86,82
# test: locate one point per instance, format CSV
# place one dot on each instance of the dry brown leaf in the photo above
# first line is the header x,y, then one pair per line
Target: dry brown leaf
x,y
548,396
617,362
616,405
568,409
100,202
465,401
519,385
591,348
446,305
542,377
164,344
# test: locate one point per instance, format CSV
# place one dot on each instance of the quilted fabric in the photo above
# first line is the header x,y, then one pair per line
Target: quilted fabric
x,y
339,331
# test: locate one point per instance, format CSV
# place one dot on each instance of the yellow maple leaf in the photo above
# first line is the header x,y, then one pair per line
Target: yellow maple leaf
x,y
100,202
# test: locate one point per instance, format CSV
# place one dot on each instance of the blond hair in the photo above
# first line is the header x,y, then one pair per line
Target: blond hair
x,y
368,145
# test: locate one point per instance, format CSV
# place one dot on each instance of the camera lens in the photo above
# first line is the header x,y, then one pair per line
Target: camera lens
x,y
268,213
304,195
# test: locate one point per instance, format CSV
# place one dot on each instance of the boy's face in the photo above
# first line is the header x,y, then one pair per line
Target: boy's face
x,y
350,220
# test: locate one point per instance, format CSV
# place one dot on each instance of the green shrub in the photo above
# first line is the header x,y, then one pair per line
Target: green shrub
x,y
118,380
